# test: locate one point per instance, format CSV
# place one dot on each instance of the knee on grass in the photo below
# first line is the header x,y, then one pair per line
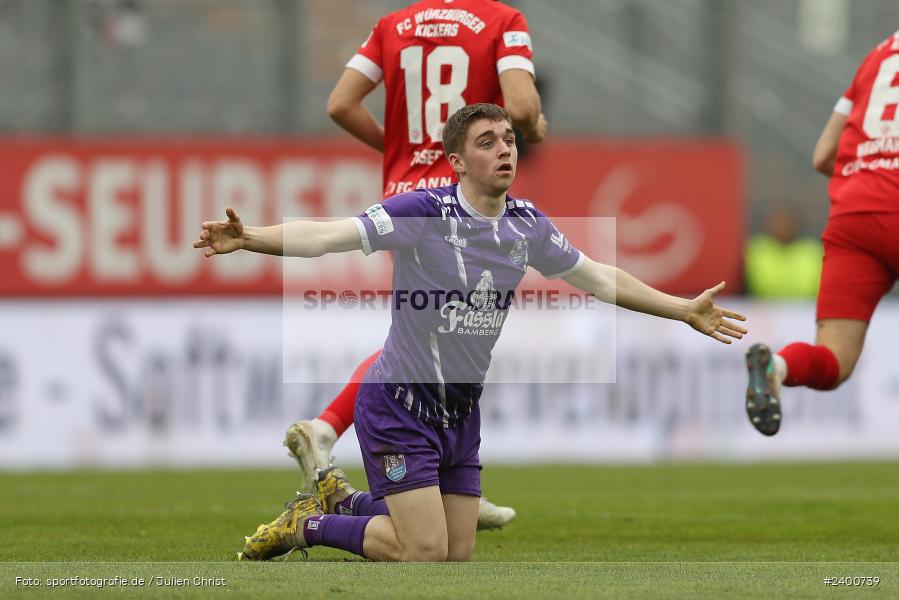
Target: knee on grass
x,y
460,554
425,551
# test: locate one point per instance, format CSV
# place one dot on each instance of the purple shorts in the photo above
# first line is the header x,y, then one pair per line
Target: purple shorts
x,y
402,453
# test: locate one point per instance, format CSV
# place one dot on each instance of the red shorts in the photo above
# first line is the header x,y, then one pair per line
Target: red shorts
x,y
861,264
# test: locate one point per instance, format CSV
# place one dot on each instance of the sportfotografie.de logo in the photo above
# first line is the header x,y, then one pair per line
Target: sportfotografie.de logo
x,y
404,299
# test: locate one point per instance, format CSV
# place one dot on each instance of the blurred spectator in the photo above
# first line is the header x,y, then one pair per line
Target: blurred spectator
x,y
779,264
125,24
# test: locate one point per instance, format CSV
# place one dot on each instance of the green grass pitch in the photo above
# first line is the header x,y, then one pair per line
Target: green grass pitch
x,y
670,531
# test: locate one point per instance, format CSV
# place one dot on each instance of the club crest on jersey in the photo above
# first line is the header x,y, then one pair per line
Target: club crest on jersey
x,y
395,466
519,253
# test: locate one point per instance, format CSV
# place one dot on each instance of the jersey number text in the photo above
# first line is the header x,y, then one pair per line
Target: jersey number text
x,y
439,93
882,116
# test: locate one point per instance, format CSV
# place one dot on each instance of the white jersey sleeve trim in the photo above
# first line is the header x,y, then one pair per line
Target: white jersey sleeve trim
x,y
843,107
366,246
367,67
577,265
515,62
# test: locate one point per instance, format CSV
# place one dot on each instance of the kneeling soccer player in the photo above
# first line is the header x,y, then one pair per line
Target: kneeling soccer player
x,y
420,440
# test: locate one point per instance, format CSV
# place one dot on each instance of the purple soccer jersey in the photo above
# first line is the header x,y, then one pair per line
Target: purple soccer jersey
x,y
454,276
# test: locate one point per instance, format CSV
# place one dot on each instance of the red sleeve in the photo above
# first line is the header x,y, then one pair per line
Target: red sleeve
x,y
849,94
368,59
847,101
514,49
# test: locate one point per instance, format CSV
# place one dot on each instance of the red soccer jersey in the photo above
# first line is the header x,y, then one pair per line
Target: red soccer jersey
x,y
435,57
866,169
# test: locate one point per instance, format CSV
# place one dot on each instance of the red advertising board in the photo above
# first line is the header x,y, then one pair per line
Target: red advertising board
x,y
118,217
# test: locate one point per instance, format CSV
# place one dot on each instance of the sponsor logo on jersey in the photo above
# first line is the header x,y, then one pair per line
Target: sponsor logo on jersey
x,y
454,238
485,294
478,316
458,242
876,164
519,253
399,187
380,218
395,466
514,39
884,145
425,157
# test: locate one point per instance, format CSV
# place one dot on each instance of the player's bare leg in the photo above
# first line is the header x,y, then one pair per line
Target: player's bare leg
x,y
416,531
461,525
845,338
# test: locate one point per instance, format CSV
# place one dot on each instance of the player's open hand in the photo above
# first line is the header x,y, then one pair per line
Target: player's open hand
x,y
707,317
221,237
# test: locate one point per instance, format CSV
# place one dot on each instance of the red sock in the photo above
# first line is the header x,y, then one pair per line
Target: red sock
x,y
812,366
339,414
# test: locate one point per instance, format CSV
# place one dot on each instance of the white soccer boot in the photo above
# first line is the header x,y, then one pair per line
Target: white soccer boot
x,y
310,444
491,516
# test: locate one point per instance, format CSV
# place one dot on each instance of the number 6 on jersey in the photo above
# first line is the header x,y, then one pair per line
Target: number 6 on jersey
x,y
881,118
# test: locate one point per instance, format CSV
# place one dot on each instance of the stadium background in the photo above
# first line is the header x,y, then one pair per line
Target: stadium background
x,y
142,390
126,123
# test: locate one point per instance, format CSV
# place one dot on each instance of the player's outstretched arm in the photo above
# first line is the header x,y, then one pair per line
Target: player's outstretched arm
x,y
307,239
615,286
345,108
826,149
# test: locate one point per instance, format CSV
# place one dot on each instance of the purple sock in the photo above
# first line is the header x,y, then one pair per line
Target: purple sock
x,y
361,504
336,531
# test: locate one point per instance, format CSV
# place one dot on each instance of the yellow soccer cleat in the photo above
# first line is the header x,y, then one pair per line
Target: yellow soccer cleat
x,y
284,534
331,487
